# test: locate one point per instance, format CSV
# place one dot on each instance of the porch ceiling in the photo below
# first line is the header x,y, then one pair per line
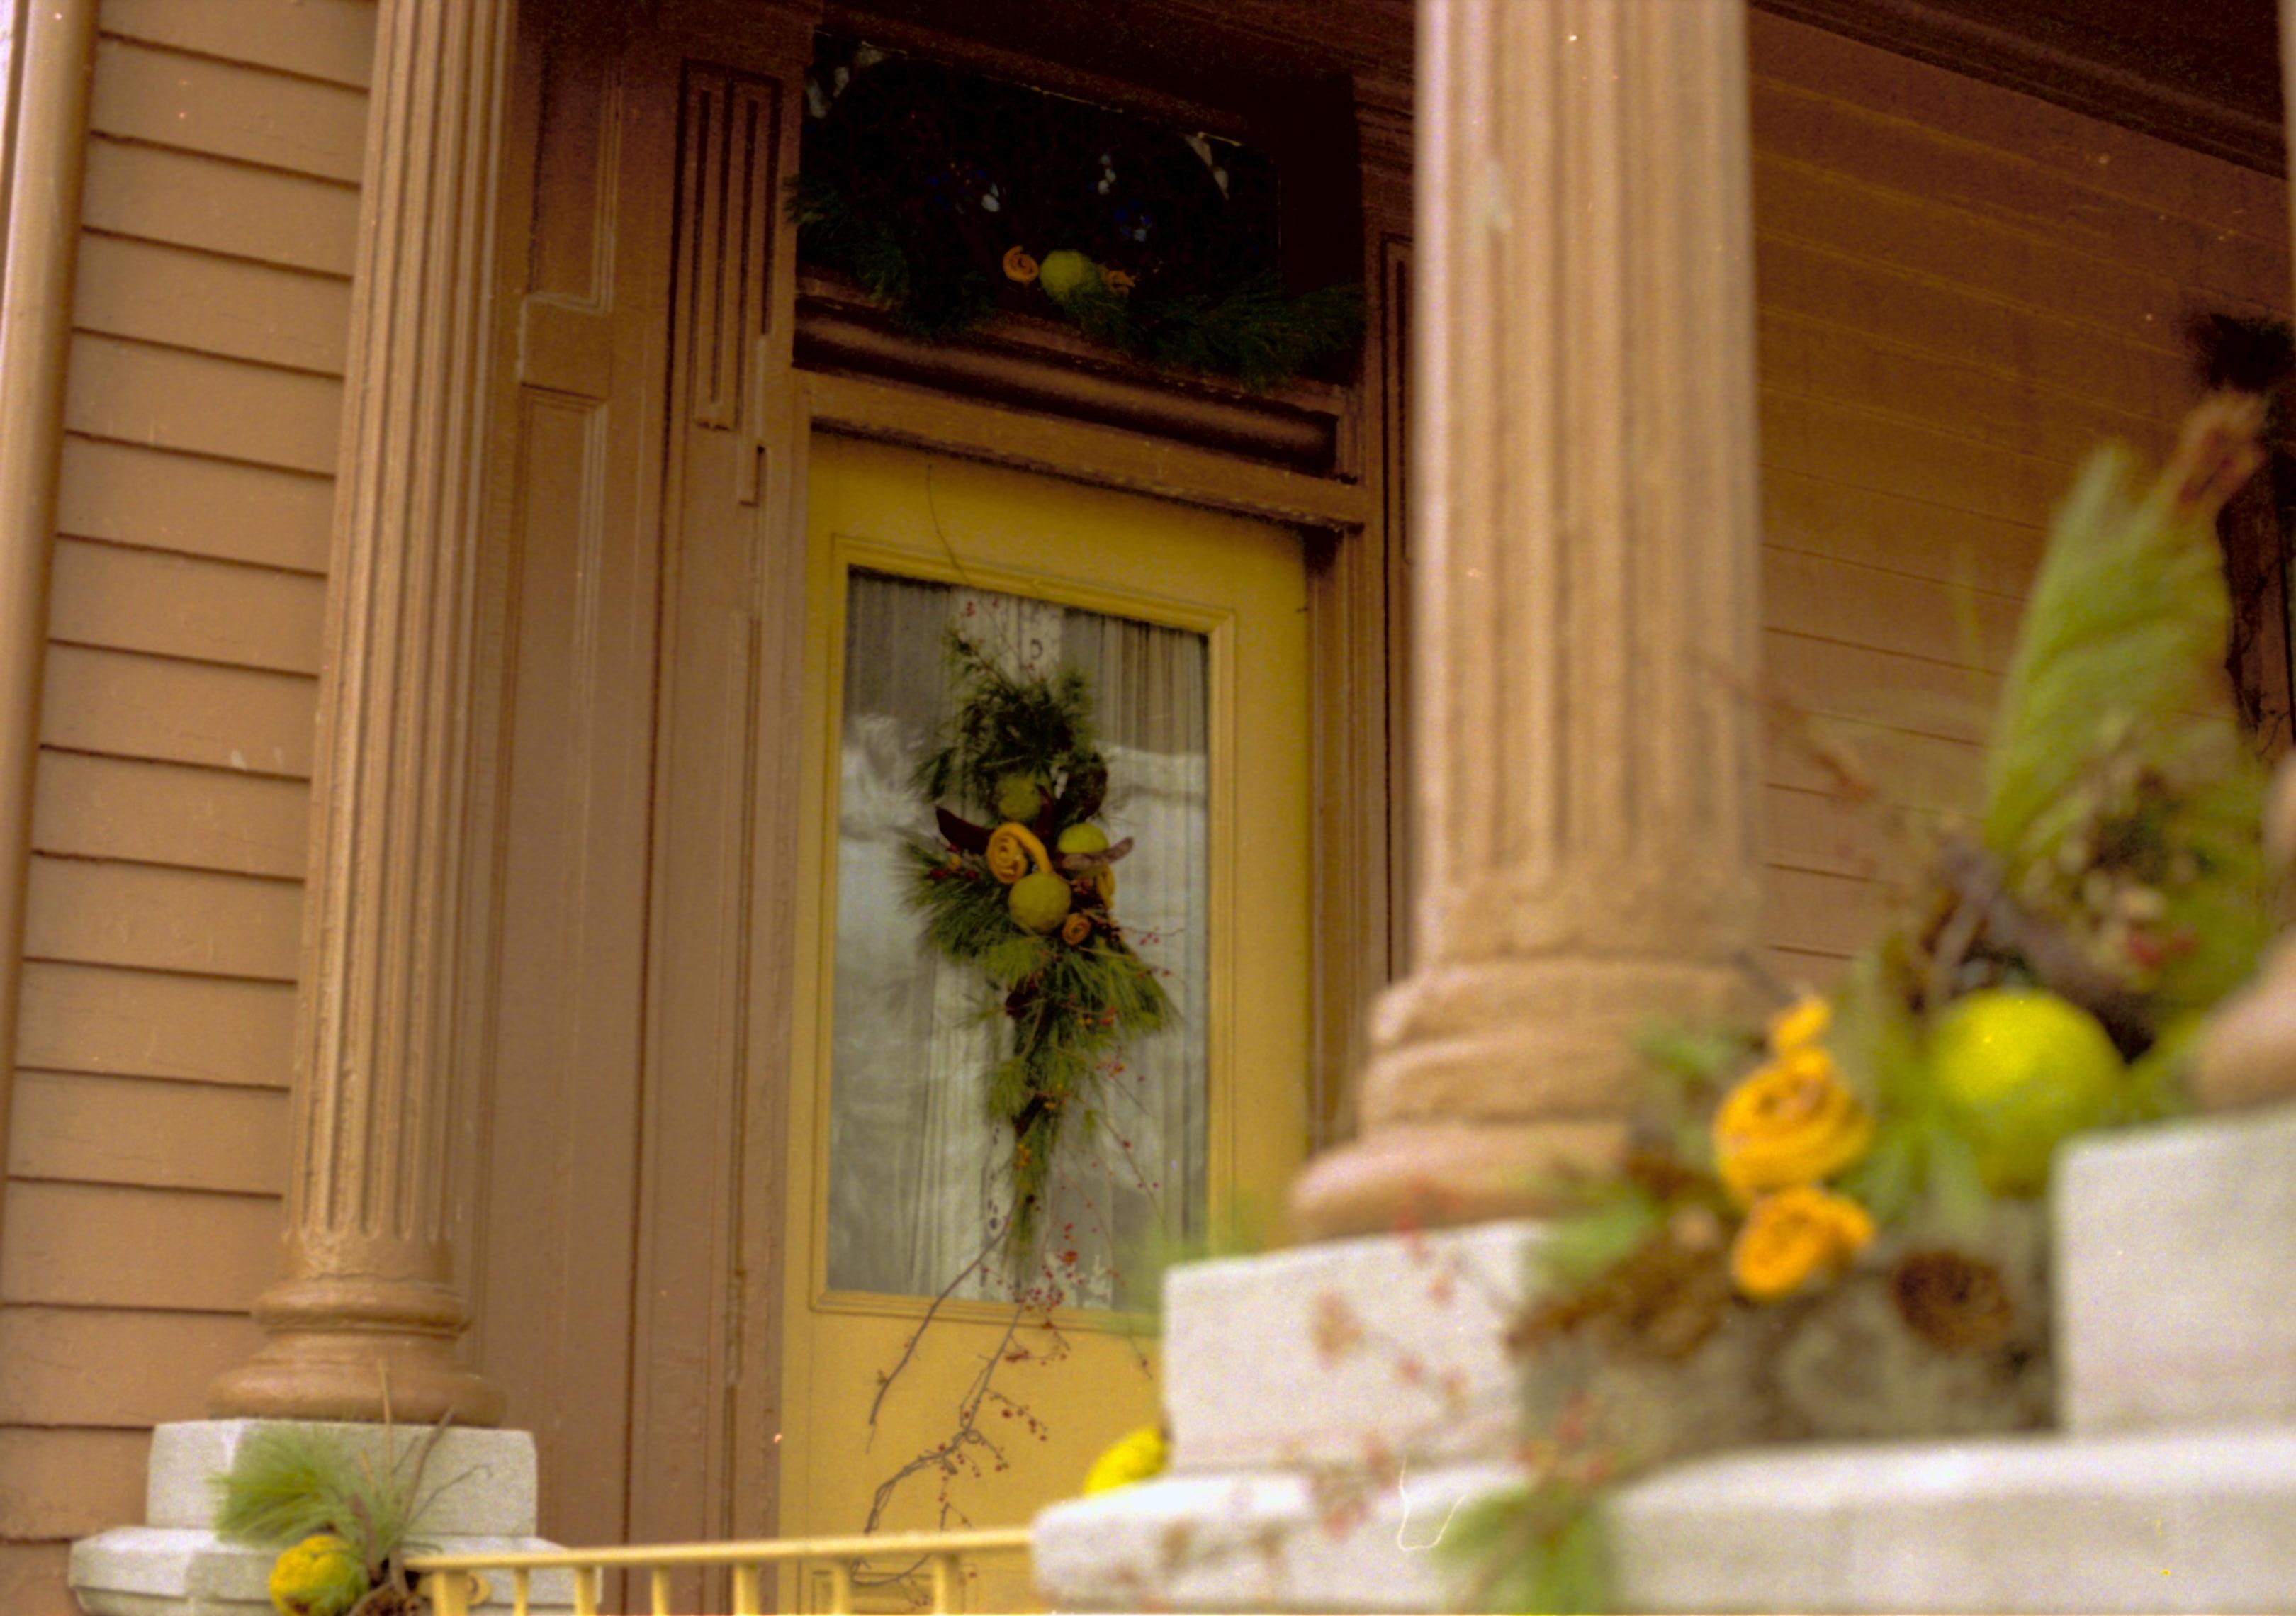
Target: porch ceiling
x,y
2205,75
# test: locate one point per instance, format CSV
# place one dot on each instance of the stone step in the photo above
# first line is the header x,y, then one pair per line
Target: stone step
x,y
2175,1266
2167,1521
1257,1540
1319,1353
2162,1522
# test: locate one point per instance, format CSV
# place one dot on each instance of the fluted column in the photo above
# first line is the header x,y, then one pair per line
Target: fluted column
x,y
1584,478
367,1284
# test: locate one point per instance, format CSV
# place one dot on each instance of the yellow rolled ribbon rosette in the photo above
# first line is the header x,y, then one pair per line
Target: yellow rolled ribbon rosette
x,y
1014,850
1793,1122
1800,1024
1792,1236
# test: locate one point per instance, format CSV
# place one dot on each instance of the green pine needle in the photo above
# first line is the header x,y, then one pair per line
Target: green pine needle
x,y
286,1483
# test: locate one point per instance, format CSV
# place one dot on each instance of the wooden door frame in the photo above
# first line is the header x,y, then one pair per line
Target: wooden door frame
x,y
717,968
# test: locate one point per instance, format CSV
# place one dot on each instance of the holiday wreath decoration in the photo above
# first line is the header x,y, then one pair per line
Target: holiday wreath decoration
x,y
1834,1226
1028,899
947,195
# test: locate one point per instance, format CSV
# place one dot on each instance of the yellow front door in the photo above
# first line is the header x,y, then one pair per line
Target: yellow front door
x,y
938,1372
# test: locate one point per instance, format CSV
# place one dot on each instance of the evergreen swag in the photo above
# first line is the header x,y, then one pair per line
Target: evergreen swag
x,y
1028,903
945,195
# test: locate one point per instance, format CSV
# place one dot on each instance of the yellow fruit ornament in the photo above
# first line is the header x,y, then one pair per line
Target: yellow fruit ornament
x,y
1039,901
318,1577
1066,273
1083,838
1019,797
2021,1070
1131,1458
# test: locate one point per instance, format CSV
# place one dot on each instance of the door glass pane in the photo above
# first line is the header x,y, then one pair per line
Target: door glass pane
x,y
920,1171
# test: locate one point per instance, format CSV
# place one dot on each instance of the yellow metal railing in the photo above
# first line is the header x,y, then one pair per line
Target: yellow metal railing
x,y
451,1584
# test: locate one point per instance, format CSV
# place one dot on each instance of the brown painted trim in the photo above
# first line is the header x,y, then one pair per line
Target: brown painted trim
x,y
36,311
1030,365
2004,56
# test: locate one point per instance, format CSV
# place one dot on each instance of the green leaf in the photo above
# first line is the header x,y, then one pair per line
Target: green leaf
x,y
1584,1247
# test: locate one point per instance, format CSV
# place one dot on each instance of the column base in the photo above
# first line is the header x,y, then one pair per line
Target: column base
x,y
364,1342
1443,1175
330,1377
176,1564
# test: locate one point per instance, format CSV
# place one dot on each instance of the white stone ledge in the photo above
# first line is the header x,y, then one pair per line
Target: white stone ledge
x,y
2176,1275
1246,1386
1254,1541
144,1570
2186,1520
484,1480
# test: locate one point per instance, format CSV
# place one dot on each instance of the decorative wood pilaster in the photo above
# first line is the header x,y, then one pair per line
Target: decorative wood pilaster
x,y
1585,490
368,1282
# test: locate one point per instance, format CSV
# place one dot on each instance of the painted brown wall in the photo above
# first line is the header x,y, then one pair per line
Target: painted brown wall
x,y
1961,288
149,1141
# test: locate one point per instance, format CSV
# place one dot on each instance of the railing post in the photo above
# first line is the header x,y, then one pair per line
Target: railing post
x,y
448,1592
946,1590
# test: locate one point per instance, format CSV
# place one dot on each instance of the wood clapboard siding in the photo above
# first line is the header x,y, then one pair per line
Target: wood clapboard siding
x,y
148,1144
109,1019
132,493
1962,291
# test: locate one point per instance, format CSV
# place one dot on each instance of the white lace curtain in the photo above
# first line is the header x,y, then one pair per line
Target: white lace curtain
x,y
917,1168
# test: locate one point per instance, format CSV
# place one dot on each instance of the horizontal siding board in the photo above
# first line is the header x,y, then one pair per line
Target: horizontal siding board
x,y
152,919
167,813
70,1483
1803,969
2104,157
128,705
1820,515
2058,355
2024,262
1909,770
1856,681
133,393
32,1580
179,606
153,1024
329,39
1825,913
191,201
1838,364
134,495
84,1130
108,1366
171,98
1914,616
107,1246
1831,835
230,308
1944,167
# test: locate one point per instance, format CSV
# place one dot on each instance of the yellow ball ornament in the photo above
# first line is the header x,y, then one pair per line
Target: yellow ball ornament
x,y
318,1577
1085,838
2022,1070
1132,1458
1066,273
1019,797
1039,901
